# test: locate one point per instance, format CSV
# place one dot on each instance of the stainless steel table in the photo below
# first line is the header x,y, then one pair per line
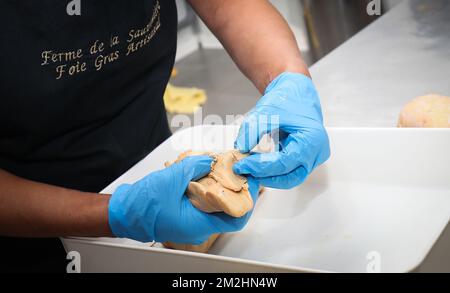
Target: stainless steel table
x,y
363,83
405,54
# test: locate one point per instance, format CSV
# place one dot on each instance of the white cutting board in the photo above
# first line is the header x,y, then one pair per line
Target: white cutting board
x,y
378,205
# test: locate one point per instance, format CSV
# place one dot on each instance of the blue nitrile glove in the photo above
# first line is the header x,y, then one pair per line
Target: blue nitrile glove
x,y
303,141
155,207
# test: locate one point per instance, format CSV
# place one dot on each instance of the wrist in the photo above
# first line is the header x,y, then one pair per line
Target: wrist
x,y
297,66
96,211
92,216
290,81
116,213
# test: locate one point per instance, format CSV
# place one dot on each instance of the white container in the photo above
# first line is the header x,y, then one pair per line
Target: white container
x,y
379,204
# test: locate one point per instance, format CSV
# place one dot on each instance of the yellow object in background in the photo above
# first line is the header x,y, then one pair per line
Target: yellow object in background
x,y
183,100
174,73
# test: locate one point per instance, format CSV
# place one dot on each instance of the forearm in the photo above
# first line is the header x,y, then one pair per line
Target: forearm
x,y
31,209
255,35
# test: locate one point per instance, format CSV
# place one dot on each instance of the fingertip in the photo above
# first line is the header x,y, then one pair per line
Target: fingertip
x,y
240,144
206,158
248,135
237,168
198,166
253,187
252,182
237,145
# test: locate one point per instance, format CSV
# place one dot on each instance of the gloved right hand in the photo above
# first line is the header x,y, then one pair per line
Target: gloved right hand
x,y
155,208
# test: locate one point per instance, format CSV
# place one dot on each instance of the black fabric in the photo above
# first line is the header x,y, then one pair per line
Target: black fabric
x,y
83,128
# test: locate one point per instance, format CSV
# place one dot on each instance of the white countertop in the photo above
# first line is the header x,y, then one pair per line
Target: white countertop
x,y
405,54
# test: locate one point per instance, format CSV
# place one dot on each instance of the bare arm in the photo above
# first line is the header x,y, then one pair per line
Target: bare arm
x,y
255,35
31,209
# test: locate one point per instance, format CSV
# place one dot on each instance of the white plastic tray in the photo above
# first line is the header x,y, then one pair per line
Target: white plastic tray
x,y
379,204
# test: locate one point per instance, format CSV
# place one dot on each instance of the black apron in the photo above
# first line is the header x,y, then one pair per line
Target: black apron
x,y
81,98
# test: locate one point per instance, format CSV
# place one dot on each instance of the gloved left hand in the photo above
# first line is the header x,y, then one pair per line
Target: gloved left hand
x,y
156,207
303,141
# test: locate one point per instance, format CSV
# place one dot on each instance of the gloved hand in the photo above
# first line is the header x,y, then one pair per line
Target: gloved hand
x,y
155,207
303,141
